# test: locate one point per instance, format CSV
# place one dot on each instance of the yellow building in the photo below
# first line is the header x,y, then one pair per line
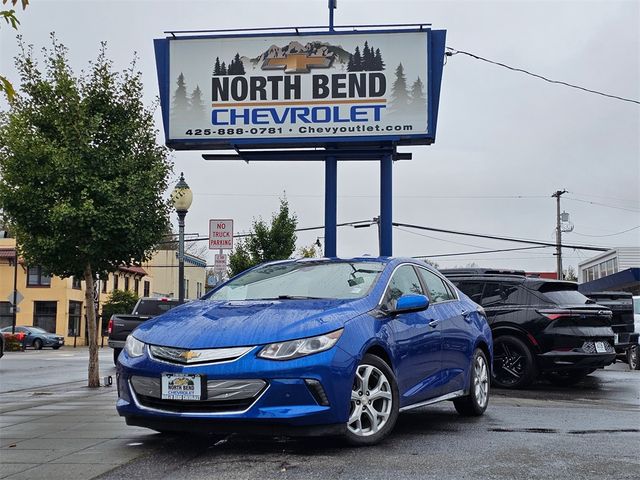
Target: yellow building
x,y
163,267
53,303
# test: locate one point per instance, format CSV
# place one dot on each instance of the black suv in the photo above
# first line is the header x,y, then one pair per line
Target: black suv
x,y
539,326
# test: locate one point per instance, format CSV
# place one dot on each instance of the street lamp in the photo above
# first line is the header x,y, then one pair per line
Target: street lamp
x,y
182,198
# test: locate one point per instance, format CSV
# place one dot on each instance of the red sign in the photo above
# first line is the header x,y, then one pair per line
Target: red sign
x,y
220,234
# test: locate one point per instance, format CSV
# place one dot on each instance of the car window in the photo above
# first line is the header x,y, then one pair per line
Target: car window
x,y
473,290
501,293
436,288
404,281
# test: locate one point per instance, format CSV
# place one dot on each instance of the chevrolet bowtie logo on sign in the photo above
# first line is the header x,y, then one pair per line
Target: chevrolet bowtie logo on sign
x,y
189,355
296,63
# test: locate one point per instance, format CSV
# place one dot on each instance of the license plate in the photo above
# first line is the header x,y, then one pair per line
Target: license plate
x,y
600,348
181,386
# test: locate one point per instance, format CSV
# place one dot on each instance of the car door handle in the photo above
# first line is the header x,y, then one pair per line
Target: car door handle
x,y
434,323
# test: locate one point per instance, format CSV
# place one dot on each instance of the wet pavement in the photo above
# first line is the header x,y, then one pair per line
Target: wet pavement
x,y
590,431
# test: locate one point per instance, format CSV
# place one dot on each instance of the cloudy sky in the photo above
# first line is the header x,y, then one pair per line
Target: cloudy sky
x,y
505,141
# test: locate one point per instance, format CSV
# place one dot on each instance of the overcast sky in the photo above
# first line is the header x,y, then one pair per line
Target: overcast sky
x,y
500,133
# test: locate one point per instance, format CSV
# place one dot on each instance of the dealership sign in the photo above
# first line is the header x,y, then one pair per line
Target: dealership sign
x,y
307,89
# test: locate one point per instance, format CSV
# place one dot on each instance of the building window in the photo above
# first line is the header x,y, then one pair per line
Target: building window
x,y
6,317
147,288
115,281
76,283
126,283
44,315
136,286
37,278
186,288
198,289
75,313
104,284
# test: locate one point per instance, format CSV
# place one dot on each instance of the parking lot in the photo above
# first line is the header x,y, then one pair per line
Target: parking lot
x,y
52,426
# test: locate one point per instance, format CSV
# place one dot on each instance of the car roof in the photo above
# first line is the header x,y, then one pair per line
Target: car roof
x,y
480,271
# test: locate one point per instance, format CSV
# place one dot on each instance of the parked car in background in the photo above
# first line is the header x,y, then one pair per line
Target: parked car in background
x,y
309,347
37,338
121,326
1,345
539,326
622,324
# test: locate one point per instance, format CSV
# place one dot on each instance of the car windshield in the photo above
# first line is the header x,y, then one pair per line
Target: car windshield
x,y
303,280
564,294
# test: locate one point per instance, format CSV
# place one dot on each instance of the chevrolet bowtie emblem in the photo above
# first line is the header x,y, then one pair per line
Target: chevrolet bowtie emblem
x,y
296,63
189,355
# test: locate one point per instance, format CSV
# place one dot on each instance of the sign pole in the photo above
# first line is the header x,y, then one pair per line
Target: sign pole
x,y
386,206
330,206
332,7
14,314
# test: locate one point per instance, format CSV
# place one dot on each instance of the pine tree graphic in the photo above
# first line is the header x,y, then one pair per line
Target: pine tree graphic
x,y
399,95
180,101
418,100
216,67
196,107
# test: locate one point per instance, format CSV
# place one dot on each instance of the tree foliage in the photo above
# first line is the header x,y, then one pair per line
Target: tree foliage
x,y
81,173
266,242
119,302
9,16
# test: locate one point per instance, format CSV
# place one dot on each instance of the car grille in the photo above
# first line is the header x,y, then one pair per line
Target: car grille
x,y
221,395
185,356
590,347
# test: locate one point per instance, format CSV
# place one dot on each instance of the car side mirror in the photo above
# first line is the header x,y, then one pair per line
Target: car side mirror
x,y
411,303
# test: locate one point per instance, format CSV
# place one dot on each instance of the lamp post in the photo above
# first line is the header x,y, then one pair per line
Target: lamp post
x,y
182,198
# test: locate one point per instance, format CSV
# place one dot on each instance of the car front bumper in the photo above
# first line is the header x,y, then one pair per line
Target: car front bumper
x,y
286,404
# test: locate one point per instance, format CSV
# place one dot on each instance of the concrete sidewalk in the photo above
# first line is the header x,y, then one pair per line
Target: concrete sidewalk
x,y
66,432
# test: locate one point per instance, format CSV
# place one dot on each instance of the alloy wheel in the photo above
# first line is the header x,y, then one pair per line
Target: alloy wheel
x,y
481,381
509,363
371,401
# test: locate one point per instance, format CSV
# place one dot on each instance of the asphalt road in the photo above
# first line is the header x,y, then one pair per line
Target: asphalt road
x,y
590,431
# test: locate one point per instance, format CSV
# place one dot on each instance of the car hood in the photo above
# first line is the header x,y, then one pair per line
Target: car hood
x,y
217,324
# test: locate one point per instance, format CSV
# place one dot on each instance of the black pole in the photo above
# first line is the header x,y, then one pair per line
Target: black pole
x,y
181,215
332,6
15,290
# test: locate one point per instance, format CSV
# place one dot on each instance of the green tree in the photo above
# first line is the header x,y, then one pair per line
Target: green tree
x,y
570,274
309,251
81,172
119,302
266,242
10,18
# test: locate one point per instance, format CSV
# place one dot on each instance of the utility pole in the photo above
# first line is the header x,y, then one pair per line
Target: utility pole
x,y
557,196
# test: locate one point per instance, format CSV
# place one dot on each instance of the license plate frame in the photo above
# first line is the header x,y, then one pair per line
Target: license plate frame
x,y
600,347
181,386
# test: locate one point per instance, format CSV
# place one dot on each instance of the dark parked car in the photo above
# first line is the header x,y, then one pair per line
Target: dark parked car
x,y
539,326
622,324
37,337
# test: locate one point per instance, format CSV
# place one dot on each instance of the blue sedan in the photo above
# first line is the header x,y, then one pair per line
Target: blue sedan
x,y
309,347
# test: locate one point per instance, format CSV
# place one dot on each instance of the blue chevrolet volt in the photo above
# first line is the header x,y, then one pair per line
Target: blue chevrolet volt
x,y
309,347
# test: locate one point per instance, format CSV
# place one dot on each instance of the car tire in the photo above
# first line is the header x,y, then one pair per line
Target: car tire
x,y
475,403
566,378
513,363
116,354
37,344
633,357
57,347
374,402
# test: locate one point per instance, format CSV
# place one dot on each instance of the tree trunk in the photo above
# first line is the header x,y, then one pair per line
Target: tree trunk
x,y
94,366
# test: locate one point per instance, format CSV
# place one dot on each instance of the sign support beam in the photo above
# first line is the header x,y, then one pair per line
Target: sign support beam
x,y
386,206
330,206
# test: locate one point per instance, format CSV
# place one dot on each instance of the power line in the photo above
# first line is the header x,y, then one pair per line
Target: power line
x,y
608,234
635,210
453,51
479,251
495,237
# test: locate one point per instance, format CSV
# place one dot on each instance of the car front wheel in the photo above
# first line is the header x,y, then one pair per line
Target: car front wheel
x,y
37,344
475,403
374,402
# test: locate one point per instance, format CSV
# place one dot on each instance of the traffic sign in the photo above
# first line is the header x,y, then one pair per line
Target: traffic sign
x,y
220,263
220,234
19,297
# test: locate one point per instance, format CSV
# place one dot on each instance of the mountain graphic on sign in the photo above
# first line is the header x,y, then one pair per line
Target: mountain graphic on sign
x,y
335,53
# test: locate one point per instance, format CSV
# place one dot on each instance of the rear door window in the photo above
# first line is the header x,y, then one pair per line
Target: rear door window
x,y
437,289
501,293
473,290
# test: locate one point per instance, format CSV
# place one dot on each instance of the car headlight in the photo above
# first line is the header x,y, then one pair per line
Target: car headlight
x,y
134,347
301,347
